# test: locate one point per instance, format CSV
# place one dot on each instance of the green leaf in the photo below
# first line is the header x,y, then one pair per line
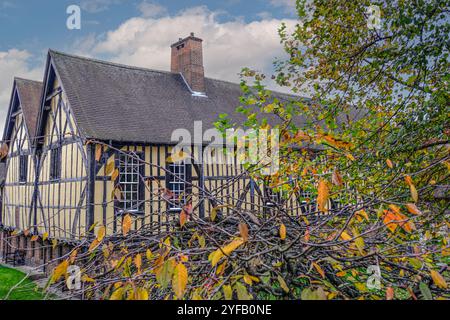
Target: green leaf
x,y
242,292
426,292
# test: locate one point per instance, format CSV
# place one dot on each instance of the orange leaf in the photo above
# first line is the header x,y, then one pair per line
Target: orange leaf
x,y
98,152
94,245
408,180
389,293
243,230
412,208
319,269
322,196
126,224
394,208
183,218
389,163
307,235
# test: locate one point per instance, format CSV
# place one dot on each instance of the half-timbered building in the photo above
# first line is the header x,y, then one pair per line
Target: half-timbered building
x,y
92,143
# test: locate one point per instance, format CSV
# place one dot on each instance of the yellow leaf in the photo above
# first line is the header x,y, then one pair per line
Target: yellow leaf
x,y
414,194
362,213
227,292
115,175
54,243
359,242
215,256
322,196
243,230
101,233
117,194
34,238
59,271
350,157
141,294
389,163
86,278
45,236
319,269
283,284
179,281
221,268
73,256
117,295
94,245
109,167
149,254
138,262
282,232
412,208
248,279
215,209
126,224
438,279
345,236
177,157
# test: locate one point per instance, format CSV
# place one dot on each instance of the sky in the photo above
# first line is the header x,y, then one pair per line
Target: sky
x,y
236,34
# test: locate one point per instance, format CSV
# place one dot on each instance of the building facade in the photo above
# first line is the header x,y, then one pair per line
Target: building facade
x,y
92,143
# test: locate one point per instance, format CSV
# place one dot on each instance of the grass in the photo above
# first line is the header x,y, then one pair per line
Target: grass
x,y
27,290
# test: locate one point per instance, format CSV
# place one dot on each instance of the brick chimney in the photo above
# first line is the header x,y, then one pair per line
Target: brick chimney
x,y
187,59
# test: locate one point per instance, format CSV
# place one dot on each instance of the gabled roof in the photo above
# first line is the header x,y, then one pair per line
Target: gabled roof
x,y
122,103
29,96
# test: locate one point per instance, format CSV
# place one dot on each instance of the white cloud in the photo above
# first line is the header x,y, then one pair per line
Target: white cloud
x,y
151,9
14,63
288,4
94,6
228,46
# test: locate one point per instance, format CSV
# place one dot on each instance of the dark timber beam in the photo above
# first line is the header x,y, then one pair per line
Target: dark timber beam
x,y
91,171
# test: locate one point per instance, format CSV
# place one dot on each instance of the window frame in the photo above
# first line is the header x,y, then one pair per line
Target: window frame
x,y
137,206
55,163
174,179
23,168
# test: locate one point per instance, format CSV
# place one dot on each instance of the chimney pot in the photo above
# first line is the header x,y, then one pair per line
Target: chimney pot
x,y
187,59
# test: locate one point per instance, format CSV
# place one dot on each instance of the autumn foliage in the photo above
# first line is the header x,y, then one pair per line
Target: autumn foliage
x,y
368,166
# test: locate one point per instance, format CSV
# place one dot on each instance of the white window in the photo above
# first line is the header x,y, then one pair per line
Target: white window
x,y
176,184
130,182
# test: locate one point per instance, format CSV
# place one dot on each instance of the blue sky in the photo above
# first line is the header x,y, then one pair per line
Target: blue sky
x,y
236,34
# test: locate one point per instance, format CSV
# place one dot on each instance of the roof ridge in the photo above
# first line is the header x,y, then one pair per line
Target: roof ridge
x,y
129,67
109,63
27,80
